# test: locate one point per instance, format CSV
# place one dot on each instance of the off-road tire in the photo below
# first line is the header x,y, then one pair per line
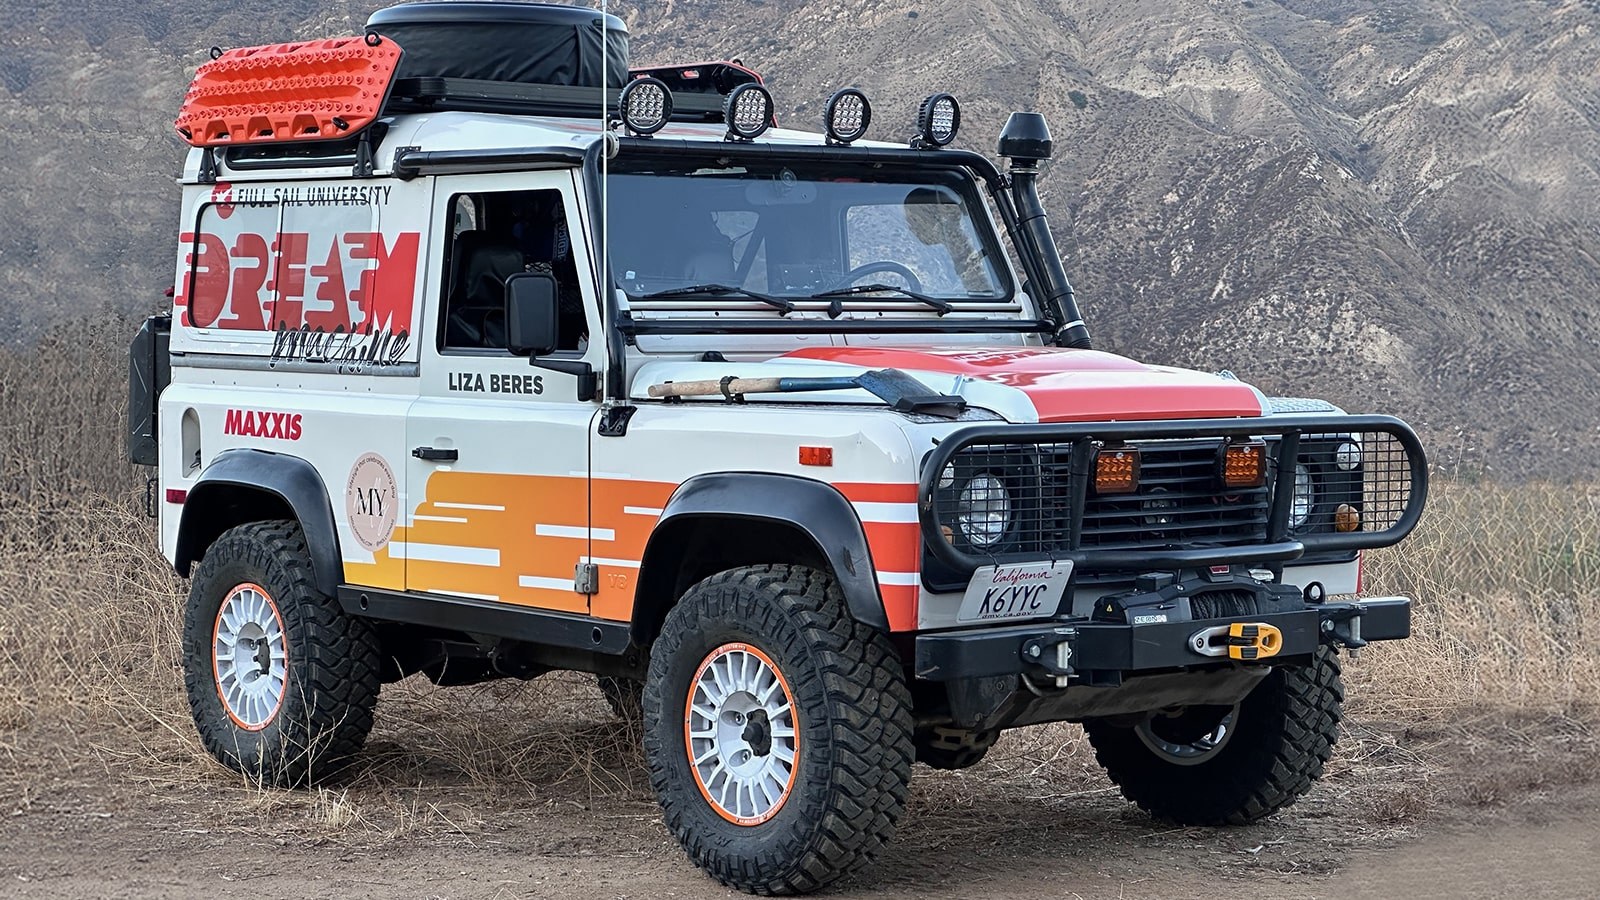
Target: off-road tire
x,y
332,669
1284,733
854,724
625,696
953,748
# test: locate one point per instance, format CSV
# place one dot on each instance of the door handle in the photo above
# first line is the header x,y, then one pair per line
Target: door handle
x,y
436,454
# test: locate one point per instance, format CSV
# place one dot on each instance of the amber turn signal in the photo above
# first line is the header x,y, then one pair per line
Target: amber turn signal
x,y
1116,471
1346,518
1245,465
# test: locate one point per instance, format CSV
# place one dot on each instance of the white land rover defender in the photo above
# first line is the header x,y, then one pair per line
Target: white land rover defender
x,y
764,427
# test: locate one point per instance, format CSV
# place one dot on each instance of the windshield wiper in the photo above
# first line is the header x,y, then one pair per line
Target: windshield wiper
x,y
836,308
723,290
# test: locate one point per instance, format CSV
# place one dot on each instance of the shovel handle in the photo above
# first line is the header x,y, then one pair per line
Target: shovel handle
x,y
716,388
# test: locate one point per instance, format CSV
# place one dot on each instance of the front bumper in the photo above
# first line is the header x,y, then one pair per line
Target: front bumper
x,y
1103,652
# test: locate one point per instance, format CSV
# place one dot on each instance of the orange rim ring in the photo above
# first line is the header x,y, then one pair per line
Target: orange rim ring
x,y
690,713
216,674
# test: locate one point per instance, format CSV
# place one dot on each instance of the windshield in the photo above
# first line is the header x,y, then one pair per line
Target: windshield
x,y
790,229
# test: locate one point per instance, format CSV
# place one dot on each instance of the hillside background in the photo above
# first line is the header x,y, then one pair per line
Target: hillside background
x,y
1392,205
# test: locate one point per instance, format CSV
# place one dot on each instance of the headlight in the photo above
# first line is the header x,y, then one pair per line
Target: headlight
x,y
983,511
1305,493
1348,456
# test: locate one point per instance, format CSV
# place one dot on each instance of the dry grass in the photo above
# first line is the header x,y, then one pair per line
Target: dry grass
x,y
1507,583
1508,618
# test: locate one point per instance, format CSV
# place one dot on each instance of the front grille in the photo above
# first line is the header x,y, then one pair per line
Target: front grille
x,y
1178,503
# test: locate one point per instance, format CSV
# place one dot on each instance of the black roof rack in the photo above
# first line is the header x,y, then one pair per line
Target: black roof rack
x,y
483,95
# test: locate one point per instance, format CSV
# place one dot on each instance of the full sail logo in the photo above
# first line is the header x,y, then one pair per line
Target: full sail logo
x,y
371,501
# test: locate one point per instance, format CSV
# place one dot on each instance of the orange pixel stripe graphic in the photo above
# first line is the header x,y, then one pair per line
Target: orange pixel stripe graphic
x,y
517,539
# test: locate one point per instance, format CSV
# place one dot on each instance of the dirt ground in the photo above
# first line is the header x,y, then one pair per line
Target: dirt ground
x,y
512,792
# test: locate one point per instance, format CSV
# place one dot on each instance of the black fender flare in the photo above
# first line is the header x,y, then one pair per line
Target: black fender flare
x,y
292,480
814,508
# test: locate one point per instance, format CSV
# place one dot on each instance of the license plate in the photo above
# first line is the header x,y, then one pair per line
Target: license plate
x,y
1020,591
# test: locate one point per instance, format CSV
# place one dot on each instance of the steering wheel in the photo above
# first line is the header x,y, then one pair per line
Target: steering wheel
x,y
882,265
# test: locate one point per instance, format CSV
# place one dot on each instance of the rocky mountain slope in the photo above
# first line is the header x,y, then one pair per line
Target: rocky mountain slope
x,y
1392,205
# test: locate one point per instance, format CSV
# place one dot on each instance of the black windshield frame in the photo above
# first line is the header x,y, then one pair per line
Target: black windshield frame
x,y
989,280
974,164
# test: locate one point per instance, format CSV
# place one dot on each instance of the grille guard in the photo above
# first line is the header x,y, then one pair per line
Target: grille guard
x,y
1280,546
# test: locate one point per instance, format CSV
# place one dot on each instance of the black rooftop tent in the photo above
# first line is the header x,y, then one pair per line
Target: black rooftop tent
x,y
494,55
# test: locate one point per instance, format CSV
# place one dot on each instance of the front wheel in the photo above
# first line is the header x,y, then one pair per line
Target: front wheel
x,y
1230,765
777,730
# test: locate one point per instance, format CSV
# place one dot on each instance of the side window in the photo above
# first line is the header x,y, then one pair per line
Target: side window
x,y
495,235
229,262
314,273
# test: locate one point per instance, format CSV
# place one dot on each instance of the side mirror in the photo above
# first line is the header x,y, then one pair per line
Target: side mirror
x,y
532,314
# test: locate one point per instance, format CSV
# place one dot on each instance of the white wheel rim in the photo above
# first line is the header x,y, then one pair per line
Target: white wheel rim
x,y
250,657
1193,752
741,734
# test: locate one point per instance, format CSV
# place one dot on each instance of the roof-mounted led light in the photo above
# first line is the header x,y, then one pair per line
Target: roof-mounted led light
x,y
748,112
846,116
938,120
646,106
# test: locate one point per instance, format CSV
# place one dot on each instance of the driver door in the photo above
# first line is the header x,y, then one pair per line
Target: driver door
x,y
500,461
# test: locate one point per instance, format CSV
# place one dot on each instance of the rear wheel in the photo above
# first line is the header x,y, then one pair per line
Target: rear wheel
x,y
1230,765
777,730
281,682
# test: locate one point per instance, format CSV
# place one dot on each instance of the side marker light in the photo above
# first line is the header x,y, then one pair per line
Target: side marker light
x,y
816,456
1346,518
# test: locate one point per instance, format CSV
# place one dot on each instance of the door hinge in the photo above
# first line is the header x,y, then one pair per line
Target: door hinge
x,y
586,578
614,420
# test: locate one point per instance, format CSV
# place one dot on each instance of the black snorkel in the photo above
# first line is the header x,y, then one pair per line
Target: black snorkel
x,y
1025,142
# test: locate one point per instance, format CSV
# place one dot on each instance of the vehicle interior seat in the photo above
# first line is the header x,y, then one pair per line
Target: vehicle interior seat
x,y
477,315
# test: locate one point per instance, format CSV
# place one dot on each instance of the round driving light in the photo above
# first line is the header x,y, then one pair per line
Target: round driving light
x,y
938,120
983,511
1348,456
947,478
846,116
646,106
748,112
1305,494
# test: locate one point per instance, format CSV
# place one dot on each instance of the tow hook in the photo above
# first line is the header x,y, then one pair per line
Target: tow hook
x,y
1052,652
1238,640
1342,626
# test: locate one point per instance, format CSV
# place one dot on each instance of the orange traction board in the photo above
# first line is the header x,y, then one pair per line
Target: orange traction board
x,y
306,91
